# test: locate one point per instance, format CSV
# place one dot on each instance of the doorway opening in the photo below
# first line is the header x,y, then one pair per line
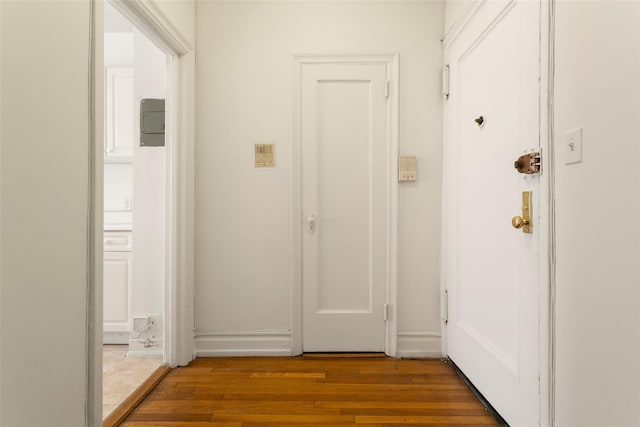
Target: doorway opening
x,y
135,209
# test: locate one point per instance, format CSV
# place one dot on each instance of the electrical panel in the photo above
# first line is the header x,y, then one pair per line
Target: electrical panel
x,y
152,122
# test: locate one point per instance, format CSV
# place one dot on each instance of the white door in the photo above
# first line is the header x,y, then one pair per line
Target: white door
x,y
344,206
492,269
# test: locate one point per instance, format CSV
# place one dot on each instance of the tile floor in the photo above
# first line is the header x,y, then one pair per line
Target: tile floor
x,y
121,375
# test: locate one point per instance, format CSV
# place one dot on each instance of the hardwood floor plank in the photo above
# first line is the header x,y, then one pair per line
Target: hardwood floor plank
x,y
273,375
316,425
310,391
399,405
305,387
179,424
435,396
477,412
209,406
473,420
286,419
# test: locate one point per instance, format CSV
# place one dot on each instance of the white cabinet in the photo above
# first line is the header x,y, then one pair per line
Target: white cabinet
x,y
117,287
119,118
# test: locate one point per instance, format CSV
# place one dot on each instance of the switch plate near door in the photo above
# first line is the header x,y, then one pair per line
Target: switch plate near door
x,y
407,169
572,146
264,155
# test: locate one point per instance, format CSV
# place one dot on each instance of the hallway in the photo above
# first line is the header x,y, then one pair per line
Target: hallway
x,y
310,390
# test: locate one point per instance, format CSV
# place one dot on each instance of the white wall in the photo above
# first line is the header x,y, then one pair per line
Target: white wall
x,y
245,80
43,209
147,294
181,14
43,205
455,12
118,49
598,235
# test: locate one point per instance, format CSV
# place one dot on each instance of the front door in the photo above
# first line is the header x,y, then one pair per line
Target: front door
x,y
344,205
492,273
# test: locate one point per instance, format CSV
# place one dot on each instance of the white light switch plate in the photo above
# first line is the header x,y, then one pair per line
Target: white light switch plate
x,y
572,146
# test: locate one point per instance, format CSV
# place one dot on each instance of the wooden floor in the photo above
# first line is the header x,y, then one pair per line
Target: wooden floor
x,y
305,391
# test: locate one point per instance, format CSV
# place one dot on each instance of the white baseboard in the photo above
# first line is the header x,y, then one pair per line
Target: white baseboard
x,y
109,337
419,344
242,343
278,343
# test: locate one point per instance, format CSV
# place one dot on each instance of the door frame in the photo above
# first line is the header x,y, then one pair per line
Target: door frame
x,y
547,285
179,205
391,61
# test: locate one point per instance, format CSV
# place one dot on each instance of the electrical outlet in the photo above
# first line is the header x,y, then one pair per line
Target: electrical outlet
x,y
154,318
154,328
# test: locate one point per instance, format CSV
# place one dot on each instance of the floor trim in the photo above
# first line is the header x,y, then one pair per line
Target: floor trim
x,y
477,393
130,403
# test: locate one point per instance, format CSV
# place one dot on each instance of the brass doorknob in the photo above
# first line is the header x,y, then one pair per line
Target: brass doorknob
x,y
519,222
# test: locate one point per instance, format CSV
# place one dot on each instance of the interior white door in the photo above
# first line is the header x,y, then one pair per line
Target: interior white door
x,y
344,206
492,268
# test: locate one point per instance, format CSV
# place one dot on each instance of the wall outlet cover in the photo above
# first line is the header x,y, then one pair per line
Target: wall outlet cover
x,y
154,318
572,146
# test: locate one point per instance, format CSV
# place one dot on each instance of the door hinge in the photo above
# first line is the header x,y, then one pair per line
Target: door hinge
x,y
387,89
529,163
445,81
445,306
385,312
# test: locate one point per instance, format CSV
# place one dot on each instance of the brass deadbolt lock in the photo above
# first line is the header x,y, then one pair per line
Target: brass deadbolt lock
x,y
528,163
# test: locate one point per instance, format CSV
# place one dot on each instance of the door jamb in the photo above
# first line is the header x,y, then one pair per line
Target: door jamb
x,y
392,63
547,209
179,208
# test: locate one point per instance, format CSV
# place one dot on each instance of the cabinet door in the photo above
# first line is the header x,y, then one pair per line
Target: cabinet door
x,y
117,291
119,115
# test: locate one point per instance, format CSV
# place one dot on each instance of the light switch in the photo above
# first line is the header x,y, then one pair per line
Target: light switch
x,y
407,169
264,155
572,146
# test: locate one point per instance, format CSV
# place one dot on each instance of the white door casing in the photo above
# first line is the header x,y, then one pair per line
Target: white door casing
x,y
346,151
491,269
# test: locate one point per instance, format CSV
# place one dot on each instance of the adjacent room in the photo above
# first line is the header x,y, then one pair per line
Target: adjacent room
x,y
134,208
